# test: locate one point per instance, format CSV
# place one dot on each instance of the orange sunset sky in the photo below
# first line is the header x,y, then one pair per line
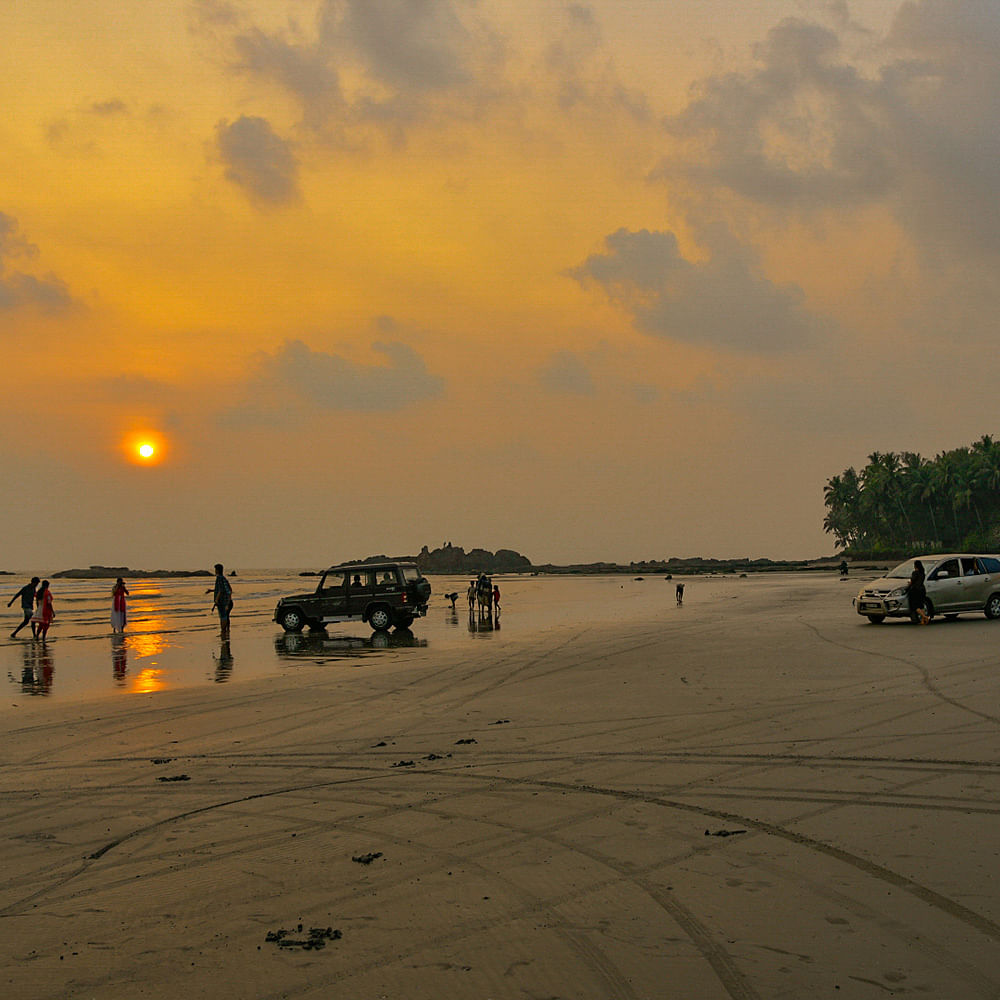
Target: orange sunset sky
x,y
595,281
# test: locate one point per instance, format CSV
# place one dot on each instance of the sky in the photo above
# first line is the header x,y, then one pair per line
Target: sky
x,y
610,280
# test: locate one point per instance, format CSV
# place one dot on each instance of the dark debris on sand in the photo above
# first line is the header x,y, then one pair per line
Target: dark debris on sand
x,y
367,859
459,743
174,777
314,941
402,763
723,833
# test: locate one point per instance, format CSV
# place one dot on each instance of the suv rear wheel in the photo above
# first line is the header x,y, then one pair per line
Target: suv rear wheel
x,y
291,620
992,609
380,618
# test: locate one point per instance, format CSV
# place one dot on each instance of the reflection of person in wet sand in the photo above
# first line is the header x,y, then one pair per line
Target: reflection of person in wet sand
x,y
119,657
27,595
38,672
223,662
118,604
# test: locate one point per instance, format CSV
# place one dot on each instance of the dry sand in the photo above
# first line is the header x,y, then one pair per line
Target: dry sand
x,y
759,796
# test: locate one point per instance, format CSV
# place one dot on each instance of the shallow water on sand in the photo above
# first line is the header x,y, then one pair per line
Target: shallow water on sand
x,y
173,640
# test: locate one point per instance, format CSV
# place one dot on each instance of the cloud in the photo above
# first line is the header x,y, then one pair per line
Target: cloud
x,y
724,302
566,373
584,74
18,289
909,122
109,108
409,45
382,63
258,160
333,382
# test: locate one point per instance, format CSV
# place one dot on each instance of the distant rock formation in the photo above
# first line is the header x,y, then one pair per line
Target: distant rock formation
x,y
454,559
113,572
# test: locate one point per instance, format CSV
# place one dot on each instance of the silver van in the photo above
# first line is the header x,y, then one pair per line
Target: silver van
x,y
955,582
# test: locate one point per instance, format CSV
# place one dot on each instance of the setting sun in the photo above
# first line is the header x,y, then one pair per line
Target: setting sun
x,y
144,447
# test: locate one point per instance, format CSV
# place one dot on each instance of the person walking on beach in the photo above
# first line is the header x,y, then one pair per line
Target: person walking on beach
x,y
917,595
496,598
679,592
27,595
222,599
472,594
118,604
44,612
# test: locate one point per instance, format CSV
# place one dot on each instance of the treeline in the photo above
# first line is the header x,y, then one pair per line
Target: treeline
x,y
899,503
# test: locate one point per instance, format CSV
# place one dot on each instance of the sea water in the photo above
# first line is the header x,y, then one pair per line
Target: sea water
x,y
173,638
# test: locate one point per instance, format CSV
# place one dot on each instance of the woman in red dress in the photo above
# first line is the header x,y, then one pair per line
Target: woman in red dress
x,y
44,613
118,605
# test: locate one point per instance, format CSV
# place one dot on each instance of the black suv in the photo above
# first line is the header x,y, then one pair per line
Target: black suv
x,y
383,594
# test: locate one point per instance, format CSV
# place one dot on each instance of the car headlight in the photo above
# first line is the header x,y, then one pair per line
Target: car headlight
x,y
898,592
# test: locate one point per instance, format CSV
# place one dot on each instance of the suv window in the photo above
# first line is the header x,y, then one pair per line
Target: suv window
x,y
991,565
971,567
334,584
947,569
362,579
411,573
385,579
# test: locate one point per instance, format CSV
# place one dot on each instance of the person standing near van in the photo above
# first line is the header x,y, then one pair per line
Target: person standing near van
x,y
27,595
917,595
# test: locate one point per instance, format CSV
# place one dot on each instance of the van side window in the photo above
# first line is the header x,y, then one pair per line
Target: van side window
x,y
947,570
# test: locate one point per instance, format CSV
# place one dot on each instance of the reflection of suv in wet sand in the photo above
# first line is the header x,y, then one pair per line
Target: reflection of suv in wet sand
x,y
382,594
954,583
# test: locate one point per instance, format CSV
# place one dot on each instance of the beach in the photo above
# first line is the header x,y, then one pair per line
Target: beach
x,y
755,795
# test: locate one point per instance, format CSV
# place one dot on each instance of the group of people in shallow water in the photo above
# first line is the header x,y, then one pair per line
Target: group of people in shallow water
x,y
38,610
36,606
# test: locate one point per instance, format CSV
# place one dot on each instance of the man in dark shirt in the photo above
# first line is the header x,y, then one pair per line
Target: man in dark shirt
x,y
223,597
27,595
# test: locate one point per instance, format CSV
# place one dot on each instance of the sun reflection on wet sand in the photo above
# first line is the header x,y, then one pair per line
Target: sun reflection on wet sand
x,y
148,681
144,645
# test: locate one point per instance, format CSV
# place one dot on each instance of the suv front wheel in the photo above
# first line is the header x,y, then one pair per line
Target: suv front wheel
x,y
291,620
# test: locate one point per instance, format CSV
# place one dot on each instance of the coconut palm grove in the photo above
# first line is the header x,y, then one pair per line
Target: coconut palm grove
x,y
901,502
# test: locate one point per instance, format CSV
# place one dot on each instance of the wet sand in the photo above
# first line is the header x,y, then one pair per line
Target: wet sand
x,y
757,795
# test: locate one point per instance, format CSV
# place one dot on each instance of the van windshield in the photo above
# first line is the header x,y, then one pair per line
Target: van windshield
x,y
902,571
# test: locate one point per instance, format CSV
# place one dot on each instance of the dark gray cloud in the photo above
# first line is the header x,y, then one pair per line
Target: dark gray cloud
x,y
723,302
410,45
909,122
336,383
382,63
566,373
258,159
19,289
